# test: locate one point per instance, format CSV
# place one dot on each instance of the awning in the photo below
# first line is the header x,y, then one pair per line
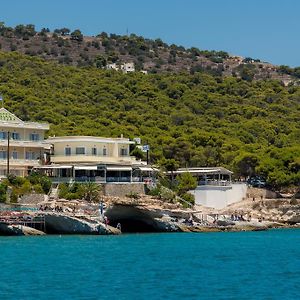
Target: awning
x,y
53,167
120,168
88,168
200,171
146,169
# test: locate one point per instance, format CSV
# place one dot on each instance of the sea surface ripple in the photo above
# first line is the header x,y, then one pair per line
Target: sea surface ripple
x,y
240,265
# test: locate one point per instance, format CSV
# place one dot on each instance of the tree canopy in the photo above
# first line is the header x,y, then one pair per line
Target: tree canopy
x,y
187,119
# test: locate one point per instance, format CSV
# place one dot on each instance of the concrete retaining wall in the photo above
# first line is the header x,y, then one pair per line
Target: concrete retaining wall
x,y
219,196
123,189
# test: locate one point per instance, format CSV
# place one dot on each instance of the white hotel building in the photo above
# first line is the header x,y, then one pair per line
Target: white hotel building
x,y
22,144
23,148
99,159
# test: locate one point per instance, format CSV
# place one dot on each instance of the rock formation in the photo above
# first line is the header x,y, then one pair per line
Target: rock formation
x,y
64,224
6,229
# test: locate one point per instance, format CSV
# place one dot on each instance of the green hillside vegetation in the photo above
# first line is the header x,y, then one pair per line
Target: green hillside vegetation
x,y
195,119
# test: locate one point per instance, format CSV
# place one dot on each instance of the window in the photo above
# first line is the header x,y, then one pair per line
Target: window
x,y
104,151
15,155
94,151
3,135
3,154
123,152
68,151
30,155
80,150
15,135
34,136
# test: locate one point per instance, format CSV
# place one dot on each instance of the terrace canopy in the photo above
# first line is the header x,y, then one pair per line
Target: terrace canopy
x,y
206,175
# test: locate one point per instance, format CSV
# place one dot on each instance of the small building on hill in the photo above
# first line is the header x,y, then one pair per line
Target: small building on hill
x,y
126,67
22,144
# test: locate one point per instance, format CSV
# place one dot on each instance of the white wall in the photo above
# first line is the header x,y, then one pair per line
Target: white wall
x,y
219,196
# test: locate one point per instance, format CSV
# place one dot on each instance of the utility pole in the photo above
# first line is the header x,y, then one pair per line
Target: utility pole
x,y
8,152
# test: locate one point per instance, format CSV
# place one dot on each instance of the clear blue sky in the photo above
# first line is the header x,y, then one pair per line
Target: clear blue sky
x,y
264,29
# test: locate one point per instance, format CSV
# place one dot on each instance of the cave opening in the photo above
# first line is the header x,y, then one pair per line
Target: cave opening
x,y
131,225
132,219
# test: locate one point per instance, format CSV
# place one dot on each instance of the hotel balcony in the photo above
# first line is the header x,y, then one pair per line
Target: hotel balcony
x,y
20,162
94,159
21,143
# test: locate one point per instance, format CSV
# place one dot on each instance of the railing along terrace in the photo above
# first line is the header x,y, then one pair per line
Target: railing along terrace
x,y
90,179
118,179
215,182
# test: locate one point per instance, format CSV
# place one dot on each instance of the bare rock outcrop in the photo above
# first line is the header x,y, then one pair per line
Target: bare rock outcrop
x,y
145,215
11,230
63,224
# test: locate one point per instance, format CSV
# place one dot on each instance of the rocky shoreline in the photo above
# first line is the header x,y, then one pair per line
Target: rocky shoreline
x,y
149,214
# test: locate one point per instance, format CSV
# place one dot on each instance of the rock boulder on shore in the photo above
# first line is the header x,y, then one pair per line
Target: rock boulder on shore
x,y
11,230
64,224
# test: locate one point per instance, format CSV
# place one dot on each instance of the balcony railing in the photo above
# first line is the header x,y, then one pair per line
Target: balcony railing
x,y
23,143
90,179
100,179
215,182
90,158
118,179
25,162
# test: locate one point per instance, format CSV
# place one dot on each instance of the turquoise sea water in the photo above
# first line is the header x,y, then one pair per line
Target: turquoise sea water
x,y
242,265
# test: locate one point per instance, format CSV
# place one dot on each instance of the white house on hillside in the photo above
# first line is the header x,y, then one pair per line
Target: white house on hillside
x,y
125,67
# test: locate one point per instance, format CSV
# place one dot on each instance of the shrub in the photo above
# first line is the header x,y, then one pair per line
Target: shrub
x,y
154,192
188,198
3,189
26,188
42,180
63,190
186,182
38,188
90,191
167,195
15,180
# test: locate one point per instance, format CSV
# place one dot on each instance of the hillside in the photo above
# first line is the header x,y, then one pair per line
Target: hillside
x,y
195,119
153,56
